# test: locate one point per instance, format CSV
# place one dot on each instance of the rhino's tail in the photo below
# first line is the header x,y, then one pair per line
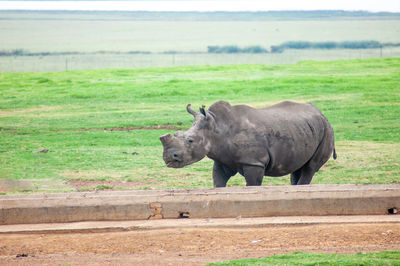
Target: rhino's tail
x,y
334,154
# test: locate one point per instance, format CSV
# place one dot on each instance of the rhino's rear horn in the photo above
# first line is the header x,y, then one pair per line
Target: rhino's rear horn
x,y
165,139
202,110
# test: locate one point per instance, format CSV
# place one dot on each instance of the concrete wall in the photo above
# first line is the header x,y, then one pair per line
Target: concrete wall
x,y
200,203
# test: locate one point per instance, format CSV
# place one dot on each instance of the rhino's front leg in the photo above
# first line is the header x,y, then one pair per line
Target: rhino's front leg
x,y
221,174
253,174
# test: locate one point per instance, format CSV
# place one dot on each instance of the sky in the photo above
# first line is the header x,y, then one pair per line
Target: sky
x,y
207,5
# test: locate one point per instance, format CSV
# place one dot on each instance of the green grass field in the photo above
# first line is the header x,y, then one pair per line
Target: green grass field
x,y
310,259
66,112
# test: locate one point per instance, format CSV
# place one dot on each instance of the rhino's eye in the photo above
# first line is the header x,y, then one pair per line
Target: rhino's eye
x,y
190,140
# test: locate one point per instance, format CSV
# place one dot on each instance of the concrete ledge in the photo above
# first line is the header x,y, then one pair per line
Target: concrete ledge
x,y
311,200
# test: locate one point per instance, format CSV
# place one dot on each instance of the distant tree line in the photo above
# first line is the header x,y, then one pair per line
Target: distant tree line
x,y
22,52
234,49
330,45
231,49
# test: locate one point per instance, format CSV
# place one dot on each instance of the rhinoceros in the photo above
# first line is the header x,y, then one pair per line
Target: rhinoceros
x,y
285,138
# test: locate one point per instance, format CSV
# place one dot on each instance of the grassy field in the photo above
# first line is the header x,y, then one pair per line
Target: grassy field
x,y
183,32
67,113
301,258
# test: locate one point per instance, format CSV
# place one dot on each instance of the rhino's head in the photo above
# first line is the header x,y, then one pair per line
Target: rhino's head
x,y
184,148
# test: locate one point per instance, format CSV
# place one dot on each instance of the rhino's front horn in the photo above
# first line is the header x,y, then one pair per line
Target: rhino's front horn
x,y
190,110
165,139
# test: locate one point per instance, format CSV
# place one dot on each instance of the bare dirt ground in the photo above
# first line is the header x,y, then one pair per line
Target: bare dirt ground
x,y
193,246
91,185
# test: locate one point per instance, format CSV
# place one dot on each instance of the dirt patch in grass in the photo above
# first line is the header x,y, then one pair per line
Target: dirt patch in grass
x,y
13,185
89,185
107,180
93,174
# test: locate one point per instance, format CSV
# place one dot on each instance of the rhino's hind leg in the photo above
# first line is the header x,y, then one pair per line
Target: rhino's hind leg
x,y
314,164
307,174
320,157
295,176
221,174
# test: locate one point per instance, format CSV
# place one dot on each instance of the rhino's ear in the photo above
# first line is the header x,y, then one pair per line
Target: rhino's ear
x,y
165,139
202,110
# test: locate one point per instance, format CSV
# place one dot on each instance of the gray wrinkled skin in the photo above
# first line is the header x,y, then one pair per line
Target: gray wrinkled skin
x,y
286,138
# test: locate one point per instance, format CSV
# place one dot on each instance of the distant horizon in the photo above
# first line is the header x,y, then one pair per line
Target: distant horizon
x,y
392,6
327,11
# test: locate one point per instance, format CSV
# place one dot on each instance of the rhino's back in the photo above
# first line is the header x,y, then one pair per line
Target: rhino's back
x,y
282,115
286,134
